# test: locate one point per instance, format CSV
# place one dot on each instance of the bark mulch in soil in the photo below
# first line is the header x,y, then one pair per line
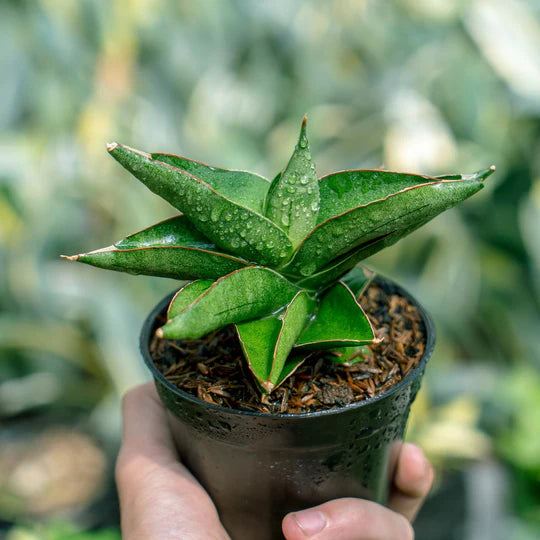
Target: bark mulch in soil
x,y
212,368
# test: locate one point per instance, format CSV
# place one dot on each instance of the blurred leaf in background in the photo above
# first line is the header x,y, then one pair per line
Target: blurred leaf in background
x,y
424,86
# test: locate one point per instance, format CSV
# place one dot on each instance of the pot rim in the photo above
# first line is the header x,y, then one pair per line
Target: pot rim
x,y
145,337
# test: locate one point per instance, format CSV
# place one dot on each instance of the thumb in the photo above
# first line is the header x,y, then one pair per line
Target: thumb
x,y
347,519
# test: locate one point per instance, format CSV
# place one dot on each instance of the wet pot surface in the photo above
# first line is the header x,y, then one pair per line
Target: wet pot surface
x,y
258,467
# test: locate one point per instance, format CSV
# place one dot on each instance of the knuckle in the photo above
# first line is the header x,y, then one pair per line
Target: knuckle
x,y
130,396
133,398
127,464
121,466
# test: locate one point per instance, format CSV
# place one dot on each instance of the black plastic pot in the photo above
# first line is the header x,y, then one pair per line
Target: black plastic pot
x,y
258,467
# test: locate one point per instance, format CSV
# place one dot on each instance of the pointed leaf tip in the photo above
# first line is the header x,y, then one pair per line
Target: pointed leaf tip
x,y
482,175
226,219
292,202
70,257
111,146
302,139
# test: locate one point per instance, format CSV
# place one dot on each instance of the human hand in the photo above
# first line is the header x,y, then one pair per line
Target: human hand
x,y
358,519
160,499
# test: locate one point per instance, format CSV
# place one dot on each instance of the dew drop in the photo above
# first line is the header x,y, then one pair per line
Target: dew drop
x,y
270,244
304,180
259,246
303,142
228,216
291,189
308,269
235,243
315,206
215,214
285,219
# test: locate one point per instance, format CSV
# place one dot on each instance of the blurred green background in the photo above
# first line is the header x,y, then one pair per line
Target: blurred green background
x,y
427,86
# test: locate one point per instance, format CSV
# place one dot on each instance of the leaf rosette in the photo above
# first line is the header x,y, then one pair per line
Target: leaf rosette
x,y
277,259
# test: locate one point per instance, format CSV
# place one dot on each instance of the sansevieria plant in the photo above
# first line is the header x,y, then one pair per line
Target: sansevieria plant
x,y
278,259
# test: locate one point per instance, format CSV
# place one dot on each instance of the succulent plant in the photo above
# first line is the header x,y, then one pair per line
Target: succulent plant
x,y
278,259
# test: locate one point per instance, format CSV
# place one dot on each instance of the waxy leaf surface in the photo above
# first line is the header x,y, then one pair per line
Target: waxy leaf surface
x,y
345,190
339,322
267,342
399,211
246,294
339,267
173,248
358,280
242,187
293,199
175,231
187,295
229,225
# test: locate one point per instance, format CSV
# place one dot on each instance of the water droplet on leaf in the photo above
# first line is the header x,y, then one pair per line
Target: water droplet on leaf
x,y
308,269
215,214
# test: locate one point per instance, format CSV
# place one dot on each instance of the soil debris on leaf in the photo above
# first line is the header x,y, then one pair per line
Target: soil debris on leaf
x,y
212,368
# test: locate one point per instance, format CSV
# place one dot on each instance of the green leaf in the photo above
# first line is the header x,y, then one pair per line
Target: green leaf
x,y
242,187
340,321
186,296
173,248
293,362
293,199
359,279
267,342
345,190
348,355
400,211
339,267
175,231
248,293
229,225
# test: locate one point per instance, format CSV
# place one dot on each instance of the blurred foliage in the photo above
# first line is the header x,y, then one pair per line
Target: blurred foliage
x,y
429,86
60,531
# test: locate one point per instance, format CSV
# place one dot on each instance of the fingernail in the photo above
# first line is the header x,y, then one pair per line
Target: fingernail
x,y
310,521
